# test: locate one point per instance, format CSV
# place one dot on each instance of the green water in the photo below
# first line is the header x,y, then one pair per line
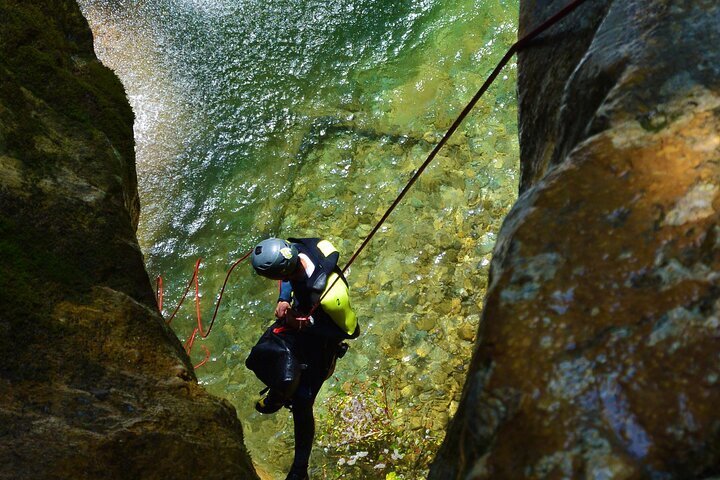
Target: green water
x,y
294,118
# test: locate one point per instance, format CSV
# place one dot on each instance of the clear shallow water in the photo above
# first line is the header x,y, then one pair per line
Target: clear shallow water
x,y
306,118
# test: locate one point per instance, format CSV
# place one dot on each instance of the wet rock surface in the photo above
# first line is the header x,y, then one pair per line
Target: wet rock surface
x,y
92,382
598,349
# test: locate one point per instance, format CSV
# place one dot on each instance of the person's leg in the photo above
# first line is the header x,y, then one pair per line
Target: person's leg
x,y
304,427
302,408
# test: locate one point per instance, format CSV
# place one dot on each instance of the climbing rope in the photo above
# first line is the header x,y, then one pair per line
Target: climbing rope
x,y
516,47
198,330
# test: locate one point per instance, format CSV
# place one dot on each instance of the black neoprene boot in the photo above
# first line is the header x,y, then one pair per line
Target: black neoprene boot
x,y
297,475
270,404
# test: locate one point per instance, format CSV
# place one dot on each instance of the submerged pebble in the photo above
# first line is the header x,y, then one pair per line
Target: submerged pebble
x,y
259,122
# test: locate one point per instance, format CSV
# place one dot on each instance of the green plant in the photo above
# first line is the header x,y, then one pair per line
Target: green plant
x,y
369,436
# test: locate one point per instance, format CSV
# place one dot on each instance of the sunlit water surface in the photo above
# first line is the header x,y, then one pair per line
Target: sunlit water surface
x,y
306,118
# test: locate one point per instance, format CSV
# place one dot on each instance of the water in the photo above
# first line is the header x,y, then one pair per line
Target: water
x,y
293,118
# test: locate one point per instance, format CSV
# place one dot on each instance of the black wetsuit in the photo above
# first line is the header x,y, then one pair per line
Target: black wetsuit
x,y
316,346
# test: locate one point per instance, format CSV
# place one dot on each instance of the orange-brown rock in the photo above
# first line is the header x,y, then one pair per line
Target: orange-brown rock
x,y
598,354
93,385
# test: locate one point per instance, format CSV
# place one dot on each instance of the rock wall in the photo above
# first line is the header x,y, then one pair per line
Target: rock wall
x,y
92,383
598,354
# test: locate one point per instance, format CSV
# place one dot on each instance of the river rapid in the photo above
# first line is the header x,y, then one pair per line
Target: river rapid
x,y
307,118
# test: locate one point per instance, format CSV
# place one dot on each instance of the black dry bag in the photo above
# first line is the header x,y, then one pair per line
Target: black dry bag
x,y
273,362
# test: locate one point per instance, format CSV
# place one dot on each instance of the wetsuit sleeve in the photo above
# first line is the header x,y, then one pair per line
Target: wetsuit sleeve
x,y
285,292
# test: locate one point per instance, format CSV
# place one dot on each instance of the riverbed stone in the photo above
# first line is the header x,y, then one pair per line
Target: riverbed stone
x,y
93,384
599,331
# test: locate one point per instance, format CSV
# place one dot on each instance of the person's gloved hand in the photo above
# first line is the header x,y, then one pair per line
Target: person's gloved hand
x,y
281,309
296,322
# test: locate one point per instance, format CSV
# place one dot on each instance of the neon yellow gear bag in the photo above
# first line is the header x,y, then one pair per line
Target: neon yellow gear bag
x,y
336,303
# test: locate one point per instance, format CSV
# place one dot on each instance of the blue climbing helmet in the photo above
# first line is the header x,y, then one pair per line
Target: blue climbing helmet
x,y
274,258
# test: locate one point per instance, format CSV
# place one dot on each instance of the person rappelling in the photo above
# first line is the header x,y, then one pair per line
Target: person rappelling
x,y
298,352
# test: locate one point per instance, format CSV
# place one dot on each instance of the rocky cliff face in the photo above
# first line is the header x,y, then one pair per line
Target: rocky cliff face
x,y
92,383
598,355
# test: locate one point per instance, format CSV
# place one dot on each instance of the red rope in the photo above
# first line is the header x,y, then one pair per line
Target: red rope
x,y
184,295
517,46
207,357
198,330
159,290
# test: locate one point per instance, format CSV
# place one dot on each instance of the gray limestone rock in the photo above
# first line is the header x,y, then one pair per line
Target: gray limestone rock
x,y
598,349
